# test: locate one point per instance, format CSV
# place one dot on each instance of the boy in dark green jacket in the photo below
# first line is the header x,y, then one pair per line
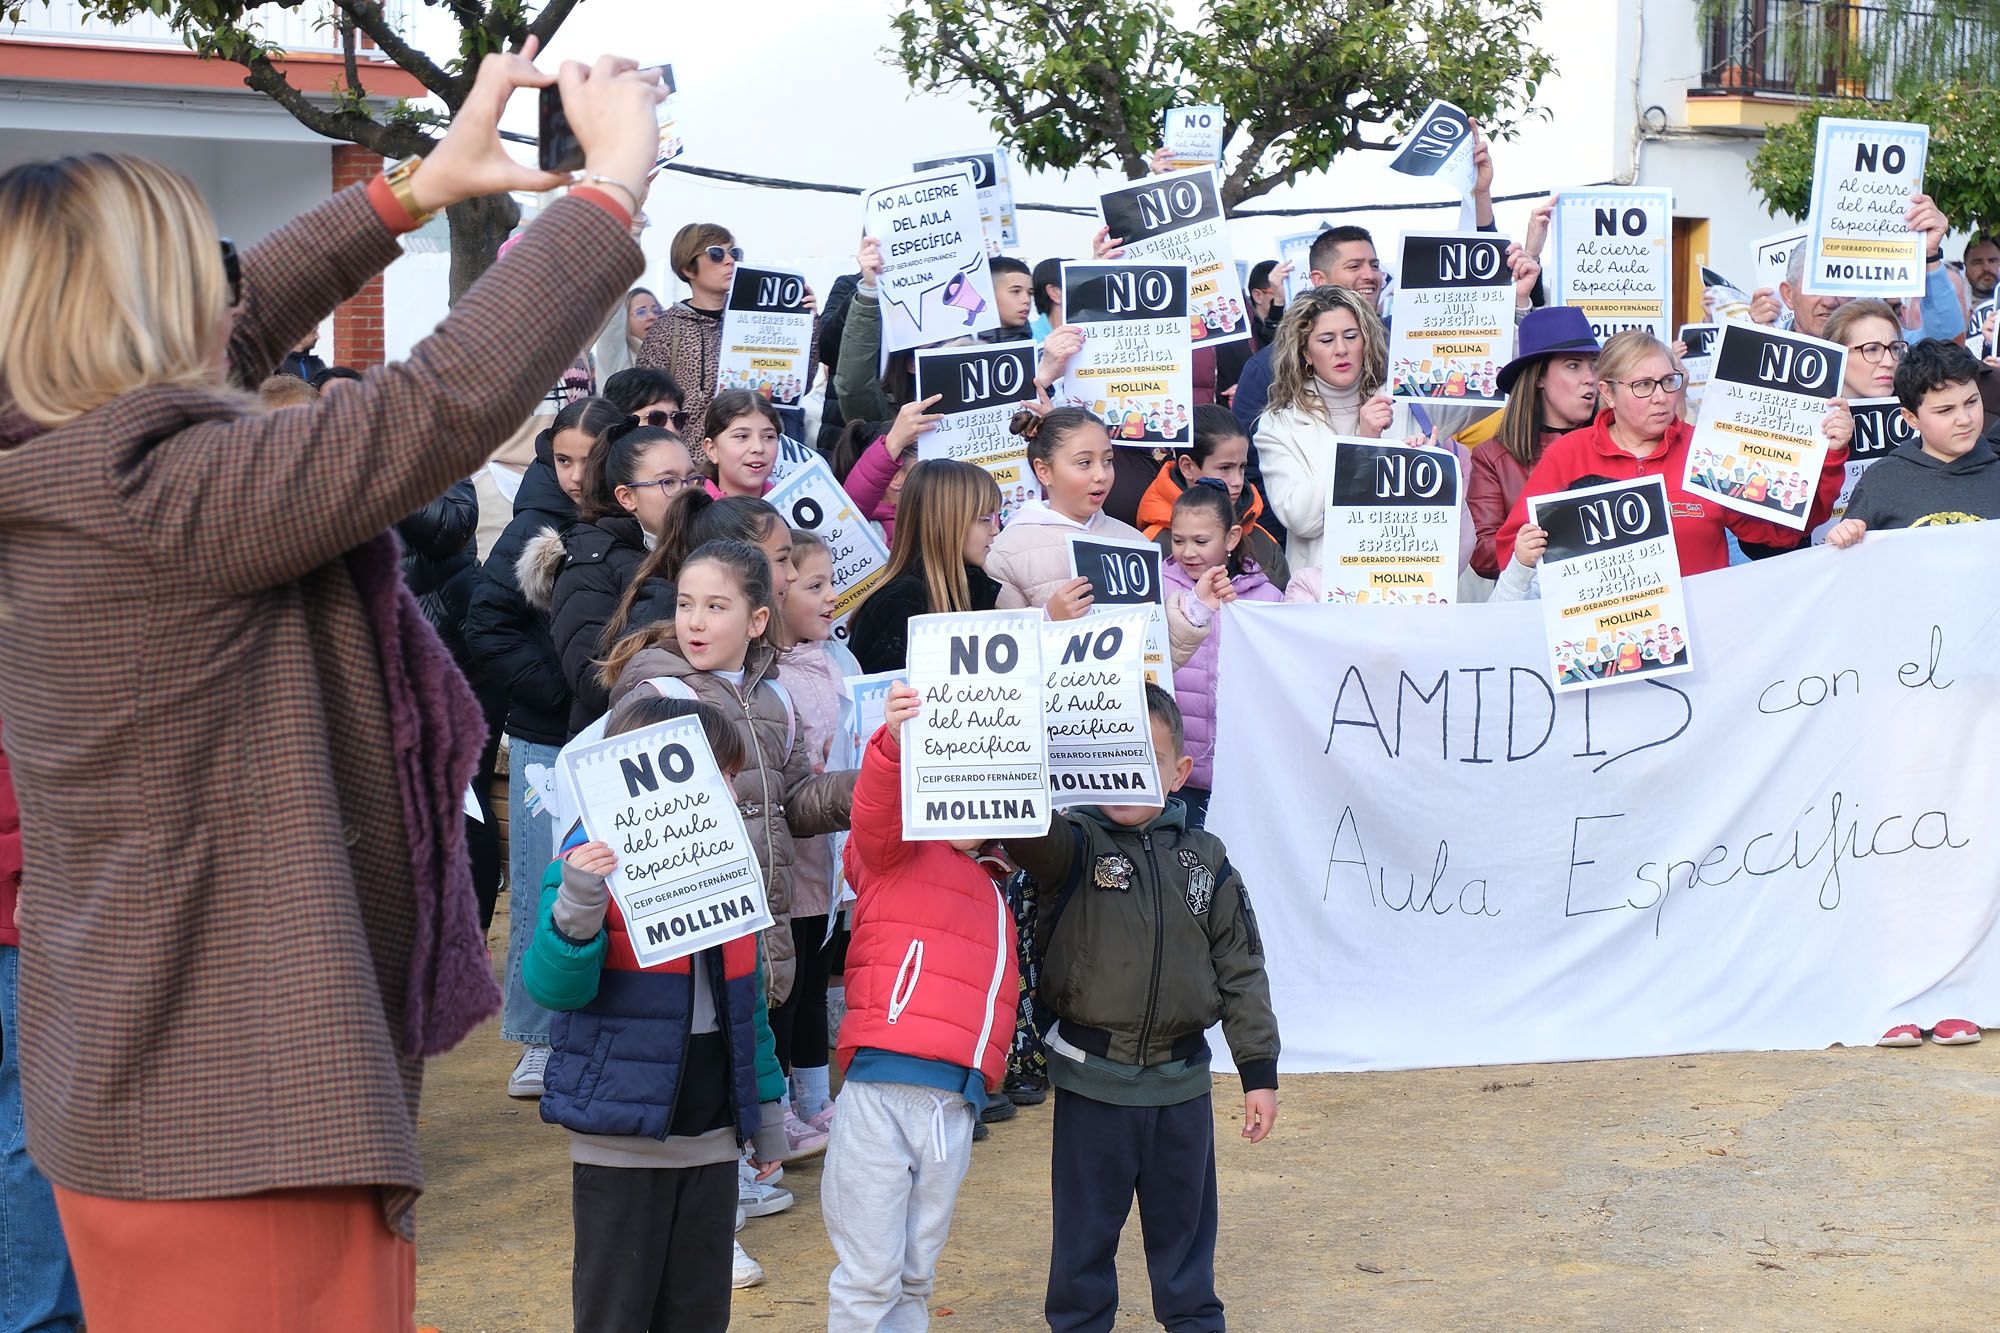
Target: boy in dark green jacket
x,y
1150,941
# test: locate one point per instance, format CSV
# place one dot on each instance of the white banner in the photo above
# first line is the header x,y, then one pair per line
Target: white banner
x,y
1614,258
1781,851
687,877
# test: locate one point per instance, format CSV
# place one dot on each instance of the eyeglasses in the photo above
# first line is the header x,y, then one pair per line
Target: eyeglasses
x,y
1874,352
645,311
667,485
677,420
1646,388
232,270
717,253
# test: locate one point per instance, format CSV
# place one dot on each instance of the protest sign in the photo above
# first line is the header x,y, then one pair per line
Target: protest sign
x,y
935,284
791,457
1758,443
1177,219
667,116
1124,572
766,336
810,498
1193,137
862,700
1880,428
1864,172
1612,609
1392,517
1136,370
975,757
1614,257
1978,339
1453,322
1296,250
981,388
687,876
1772,261
1440,147
995,186
1094,709
1700,340
1453,867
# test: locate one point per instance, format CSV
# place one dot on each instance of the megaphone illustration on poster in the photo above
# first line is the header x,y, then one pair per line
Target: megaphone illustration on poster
x,y
958,292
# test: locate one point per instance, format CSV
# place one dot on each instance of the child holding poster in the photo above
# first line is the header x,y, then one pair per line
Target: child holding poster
x,y
1948,473
1208,571
671,1072
1147,941
931,990
1071,453
717,648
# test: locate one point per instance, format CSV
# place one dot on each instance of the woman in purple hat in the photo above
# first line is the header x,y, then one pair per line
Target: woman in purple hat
x,y
1551,388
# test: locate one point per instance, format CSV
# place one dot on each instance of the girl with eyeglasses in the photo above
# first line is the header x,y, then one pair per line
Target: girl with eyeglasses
x,y
686,339
1639,434
630,478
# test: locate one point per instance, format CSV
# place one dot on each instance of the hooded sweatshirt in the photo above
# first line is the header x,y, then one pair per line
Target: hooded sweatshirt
x,y
1911,489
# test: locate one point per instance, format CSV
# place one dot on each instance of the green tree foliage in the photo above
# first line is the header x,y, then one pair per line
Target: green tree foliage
x,y
227,30
1074,83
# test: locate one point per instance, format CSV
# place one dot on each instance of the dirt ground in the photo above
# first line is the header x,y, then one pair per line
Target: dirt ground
x,y
1846,1189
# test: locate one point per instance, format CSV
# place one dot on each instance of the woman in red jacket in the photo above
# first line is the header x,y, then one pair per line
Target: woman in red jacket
x,y
1551,389
1639,435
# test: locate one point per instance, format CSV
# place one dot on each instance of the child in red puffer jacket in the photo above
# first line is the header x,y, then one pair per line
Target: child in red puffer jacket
x,y
931,991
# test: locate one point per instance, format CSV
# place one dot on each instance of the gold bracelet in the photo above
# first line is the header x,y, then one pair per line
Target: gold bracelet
x,y
398,177
599,178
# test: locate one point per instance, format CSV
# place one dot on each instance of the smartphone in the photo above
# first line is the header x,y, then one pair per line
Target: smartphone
x,y
557,144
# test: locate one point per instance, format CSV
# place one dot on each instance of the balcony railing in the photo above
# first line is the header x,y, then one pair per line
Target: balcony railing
x,y
307,28
1837,48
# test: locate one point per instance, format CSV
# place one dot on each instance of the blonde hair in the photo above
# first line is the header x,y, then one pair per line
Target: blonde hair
x,y
942,497
1291,373
286,391
1845,317
1623,351
111,276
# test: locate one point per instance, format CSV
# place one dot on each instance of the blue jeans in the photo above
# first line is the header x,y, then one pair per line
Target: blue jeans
x,y
531,845
37,1288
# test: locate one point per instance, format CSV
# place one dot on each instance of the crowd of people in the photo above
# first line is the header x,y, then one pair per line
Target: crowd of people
x,y
251,902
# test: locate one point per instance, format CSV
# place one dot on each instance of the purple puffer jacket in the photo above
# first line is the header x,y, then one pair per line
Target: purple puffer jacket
x,y
1190,624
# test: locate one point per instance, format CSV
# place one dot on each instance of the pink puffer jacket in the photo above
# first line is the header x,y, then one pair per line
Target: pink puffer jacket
x,y
1194,645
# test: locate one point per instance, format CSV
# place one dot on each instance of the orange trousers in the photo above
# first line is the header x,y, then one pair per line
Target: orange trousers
x,y
289,1261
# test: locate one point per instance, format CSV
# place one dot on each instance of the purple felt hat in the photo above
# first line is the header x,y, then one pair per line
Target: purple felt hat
x,y
1551,330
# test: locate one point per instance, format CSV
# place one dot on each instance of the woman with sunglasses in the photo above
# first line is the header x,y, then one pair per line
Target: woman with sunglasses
x,y
631,476
1638,434
247,1082
686,341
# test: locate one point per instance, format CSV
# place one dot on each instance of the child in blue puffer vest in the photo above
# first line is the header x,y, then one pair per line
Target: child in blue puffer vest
x,y
660,1074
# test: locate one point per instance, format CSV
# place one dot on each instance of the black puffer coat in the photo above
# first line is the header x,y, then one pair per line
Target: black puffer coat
x,y
584,576
441,562
508,638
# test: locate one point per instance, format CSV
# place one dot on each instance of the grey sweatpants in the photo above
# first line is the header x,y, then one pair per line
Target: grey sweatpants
x,y
898,1155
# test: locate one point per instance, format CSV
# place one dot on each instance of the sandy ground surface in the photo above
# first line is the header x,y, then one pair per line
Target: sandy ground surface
x,y
1828,1190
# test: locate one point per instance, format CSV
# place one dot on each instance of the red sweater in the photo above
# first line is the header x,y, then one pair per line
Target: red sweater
x,y
10,855
1699,522
930,965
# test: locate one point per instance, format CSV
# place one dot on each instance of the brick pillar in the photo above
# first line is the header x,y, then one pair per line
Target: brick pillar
x,y
357,323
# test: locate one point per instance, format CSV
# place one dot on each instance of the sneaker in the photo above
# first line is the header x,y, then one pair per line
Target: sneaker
x,y
802,1140
1907,1034
745,1171
526,1080
822,1118
997,1110
980,1131
747,1272
1954,1032
740,1219
1026,1089
759,1198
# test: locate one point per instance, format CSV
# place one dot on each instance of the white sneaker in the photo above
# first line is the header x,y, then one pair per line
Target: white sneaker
x,y
526,1080
745,1171
747,1271
760,1198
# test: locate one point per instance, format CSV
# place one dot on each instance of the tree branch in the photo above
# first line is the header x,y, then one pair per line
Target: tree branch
x,y
347,45
545,23
352,127
368,16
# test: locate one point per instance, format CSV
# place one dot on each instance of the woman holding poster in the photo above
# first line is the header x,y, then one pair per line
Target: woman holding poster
x,y
1639,434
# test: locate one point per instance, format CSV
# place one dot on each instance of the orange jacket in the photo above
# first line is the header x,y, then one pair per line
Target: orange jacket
x,y
1156,515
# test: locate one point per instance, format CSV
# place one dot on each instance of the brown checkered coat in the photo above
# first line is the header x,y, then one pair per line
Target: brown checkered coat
x,y
217,895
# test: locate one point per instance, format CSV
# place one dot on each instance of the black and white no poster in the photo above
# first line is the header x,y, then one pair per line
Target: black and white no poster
x,y
980,389
1880,428
687,876
1699,362
1453,326
1611,584
1094,708
1440,147
766,336
996,192
1392,520
1136,370
975,757
1178,219
1122,573
1759,441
